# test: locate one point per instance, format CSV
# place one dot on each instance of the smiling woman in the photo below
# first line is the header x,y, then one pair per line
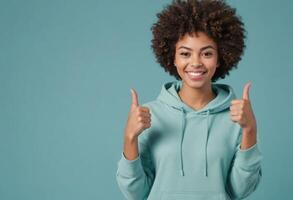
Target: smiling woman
x,y
216,19
196,140
196,59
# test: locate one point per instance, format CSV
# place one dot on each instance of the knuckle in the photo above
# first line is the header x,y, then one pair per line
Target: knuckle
x,y
137,111
144,108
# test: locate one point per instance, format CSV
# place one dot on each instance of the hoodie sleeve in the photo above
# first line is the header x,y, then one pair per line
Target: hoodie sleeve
x,y
135,177
245,172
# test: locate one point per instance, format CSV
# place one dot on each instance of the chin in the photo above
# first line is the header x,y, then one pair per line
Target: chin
x,y
198,84
195,84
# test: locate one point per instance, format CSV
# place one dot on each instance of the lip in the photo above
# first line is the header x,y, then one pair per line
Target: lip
x,y
197,77
196,71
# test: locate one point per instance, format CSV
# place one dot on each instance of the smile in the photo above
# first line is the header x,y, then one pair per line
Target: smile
x,y
196,75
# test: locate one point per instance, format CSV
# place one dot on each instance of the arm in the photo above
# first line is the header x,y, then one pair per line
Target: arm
x,y
245,171
135,176
135,173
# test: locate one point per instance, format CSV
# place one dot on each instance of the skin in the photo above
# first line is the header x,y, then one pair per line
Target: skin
x,y
139,119
196,52
241,112
192,52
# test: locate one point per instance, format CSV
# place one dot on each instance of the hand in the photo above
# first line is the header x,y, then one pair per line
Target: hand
x,y
139,118
241,111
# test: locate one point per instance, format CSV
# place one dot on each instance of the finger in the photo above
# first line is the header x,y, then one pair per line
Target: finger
x,y
134,102
235,118
236,101
235,112
144,109
238,106
147,120
246,91
144,119
145,114
233,107
147,125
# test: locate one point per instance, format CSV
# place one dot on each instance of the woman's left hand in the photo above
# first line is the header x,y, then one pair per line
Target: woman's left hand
x,y
241,111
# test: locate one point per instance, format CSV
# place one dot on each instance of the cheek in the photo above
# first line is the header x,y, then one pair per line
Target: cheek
x,y
180,68
211,64
180,62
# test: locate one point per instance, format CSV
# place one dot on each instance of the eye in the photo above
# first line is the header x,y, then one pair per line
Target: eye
x,y
207,54
184,54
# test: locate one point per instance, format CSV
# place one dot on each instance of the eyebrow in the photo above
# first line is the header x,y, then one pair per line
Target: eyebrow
x,y
201,49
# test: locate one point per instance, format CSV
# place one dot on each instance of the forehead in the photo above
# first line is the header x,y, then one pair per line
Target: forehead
x,y
195,41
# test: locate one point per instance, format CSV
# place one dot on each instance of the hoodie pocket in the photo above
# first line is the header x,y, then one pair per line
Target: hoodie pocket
x,y
193,196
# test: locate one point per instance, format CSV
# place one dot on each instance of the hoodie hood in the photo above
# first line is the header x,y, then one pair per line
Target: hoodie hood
x,y
169,96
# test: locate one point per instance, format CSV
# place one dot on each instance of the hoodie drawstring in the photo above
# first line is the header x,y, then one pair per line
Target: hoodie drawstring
x,y
183,123
181,141
206,144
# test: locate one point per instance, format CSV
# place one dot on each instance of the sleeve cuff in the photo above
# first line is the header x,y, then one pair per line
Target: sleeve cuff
x,y
248,158
130,167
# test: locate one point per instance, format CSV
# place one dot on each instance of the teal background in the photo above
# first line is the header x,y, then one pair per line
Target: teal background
x,y
66,68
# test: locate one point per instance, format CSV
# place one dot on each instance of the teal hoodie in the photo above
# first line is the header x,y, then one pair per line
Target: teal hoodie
x,y
190,154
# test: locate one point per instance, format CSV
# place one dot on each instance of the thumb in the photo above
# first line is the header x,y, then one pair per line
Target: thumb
x,y
134,102
246,91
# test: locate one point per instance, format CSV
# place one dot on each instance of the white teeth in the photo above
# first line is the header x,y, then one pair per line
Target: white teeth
x,y
195,73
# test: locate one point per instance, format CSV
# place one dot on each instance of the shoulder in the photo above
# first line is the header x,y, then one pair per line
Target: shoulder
x,y
150,103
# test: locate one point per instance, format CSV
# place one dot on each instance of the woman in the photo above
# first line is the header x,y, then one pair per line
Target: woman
x,y
196,140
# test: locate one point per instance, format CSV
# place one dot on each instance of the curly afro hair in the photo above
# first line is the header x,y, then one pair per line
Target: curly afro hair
x,y
213,17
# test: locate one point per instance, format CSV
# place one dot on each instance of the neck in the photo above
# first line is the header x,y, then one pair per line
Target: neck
x,y
196,98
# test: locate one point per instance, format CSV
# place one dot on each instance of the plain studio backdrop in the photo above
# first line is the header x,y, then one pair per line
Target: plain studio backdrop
x,y
66,69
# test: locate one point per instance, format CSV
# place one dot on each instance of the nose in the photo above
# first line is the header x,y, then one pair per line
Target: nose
x,y
196,65
195,61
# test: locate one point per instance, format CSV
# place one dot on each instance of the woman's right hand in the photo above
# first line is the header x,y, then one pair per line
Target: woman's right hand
x,y
139,118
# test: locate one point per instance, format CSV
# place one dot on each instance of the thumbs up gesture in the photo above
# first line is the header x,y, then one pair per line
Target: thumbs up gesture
x,y
139,118
241,111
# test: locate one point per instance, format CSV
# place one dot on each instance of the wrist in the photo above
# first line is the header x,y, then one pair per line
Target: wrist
x,y
130,138
249,130
248,138
130,147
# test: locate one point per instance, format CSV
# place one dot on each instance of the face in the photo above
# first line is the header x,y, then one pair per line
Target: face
x,y
196,60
